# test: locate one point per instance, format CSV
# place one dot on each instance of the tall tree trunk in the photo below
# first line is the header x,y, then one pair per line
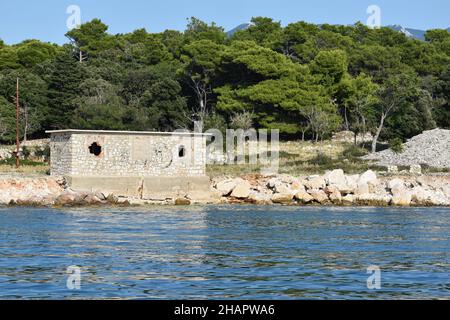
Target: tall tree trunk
x,y
25,130
347,126
364,132
377,134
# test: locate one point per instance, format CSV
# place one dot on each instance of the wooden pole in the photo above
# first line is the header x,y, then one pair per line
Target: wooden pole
x,y
17,125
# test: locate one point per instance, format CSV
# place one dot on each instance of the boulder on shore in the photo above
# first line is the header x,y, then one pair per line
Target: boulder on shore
x,y
242,190
225,187
303,197
368,177
315,182
319,195
340,181
282,198
182,202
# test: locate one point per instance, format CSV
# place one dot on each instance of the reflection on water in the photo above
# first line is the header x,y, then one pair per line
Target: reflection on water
x,y
225,252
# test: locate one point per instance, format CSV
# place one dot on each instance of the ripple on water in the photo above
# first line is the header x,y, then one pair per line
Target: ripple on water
x,y
229,252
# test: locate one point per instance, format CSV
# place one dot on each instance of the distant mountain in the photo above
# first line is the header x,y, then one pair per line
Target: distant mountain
x,y
238,28
409,32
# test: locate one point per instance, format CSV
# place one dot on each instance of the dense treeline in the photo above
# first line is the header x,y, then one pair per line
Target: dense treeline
x,y
304,79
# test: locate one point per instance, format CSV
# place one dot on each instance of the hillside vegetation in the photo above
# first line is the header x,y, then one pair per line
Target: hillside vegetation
x,y
303,79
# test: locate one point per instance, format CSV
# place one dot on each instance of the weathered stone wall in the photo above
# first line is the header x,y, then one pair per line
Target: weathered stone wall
x,y
60,154
128,155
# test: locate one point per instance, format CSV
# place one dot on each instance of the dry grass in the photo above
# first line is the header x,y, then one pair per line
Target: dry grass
x,y
25,170
303,158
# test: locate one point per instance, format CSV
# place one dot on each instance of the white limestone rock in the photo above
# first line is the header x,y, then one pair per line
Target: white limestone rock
x,y
319,195
336,197
349,199
315,182
283,188
260,198
242,190
362,188
303,197
283,198
396,183
297,186
368,177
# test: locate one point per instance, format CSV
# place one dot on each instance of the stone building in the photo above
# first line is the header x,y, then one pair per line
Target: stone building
x,y
154,165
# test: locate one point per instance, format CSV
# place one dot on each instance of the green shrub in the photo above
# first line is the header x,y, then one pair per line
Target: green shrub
x,y
45,152
26,152
396,145
322,160
353,151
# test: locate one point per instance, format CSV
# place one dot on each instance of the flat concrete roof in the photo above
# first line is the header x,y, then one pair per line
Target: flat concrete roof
x,y
153,133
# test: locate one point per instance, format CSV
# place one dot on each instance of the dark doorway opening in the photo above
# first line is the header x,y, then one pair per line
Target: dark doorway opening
x,y
95,149
181,151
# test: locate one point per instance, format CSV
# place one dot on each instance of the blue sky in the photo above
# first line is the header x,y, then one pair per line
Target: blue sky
x,y
46,19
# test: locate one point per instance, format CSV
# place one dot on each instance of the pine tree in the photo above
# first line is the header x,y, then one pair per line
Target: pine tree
x,y
63,88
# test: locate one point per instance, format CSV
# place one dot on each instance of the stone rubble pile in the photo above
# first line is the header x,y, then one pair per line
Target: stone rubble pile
x,y
431,148
336,188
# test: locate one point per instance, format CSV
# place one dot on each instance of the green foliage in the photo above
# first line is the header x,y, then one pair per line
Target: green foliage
x,y
399,97
199,30
91,37
262,61
164,106
7,120
330,66
142,48
105,117
26,152
263,31
437,35
32,52
215,121
43,152
63,88
375,60
322,160
358,97
396,145
33,104
352,152
302,79
9,58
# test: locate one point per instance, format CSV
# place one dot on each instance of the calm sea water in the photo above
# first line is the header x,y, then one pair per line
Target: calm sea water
x,y
231,252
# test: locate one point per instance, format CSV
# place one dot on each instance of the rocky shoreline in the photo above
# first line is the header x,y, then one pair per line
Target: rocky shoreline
x,y
333,188
336,188
50,191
